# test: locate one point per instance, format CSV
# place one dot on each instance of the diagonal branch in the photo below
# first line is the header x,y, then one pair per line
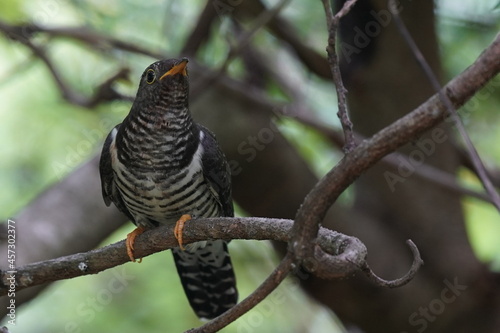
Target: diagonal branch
x,y
393,160
201,31
103,93
471,149
370,151
268,286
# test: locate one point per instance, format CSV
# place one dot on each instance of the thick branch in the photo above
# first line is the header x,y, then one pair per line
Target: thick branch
x,y
370,151
337,256
162,238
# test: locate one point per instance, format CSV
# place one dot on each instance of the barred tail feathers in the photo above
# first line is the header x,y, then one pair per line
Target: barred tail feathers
x,y
207,277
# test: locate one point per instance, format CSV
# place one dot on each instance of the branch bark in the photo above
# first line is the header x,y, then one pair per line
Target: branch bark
x,y
370,151
162,238
337,255
333,22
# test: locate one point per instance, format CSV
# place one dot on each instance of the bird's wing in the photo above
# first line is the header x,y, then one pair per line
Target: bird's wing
x,y
110,192
216,171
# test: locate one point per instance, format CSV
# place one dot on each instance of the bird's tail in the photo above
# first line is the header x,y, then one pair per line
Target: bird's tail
x,y
207,276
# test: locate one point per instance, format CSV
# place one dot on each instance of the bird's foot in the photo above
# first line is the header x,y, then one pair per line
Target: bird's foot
x,y
179,227
131,240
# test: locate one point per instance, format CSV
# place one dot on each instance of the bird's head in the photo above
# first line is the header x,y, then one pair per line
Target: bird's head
x,y
164,83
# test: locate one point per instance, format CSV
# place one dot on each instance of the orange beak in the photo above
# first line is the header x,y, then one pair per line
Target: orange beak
x,y
180,68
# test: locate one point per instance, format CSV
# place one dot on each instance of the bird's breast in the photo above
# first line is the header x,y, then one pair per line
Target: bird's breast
x,y
156,189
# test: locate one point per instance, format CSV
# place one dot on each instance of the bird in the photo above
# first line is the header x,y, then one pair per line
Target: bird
x,y
160,167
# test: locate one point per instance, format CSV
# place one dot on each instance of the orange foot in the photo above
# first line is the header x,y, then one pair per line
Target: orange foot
x,y
131,240
179,226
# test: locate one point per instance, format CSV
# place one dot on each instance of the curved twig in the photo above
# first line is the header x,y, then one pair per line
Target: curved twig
x,y
417,262
269,284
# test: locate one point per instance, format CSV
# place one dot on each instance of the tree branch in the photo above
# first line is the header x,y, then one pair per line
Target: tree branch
x,y
201,31
268,286
471,149
162,238
90,37
393,160
338,256
237,48
370,151
333,59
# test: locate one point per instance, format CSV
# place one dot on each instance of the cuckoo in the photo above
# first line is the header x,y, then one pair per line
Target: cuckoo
x,y
160,167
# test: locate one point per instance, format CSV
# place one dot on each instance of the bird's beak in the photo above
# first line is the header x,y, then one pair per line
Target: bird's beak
x,y
179,68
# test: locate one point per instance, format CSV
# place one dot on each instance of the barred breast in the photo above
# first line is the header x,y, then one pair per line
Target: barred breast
x,y
155,191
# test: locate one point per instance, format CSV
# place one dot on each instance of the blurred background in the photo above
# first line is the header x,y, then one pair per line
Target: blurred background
x,y
69,70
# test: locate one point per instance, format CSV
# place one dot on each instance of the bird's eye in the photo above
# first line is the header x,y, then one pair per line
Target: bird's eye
x,y
150,76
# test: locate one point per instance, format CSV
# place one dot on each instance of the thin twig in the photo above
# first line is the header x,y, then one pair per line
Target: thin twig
x,y
465,160
237,48
306,227
476,159
103,93
417,262
393,160
267,287
333,24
